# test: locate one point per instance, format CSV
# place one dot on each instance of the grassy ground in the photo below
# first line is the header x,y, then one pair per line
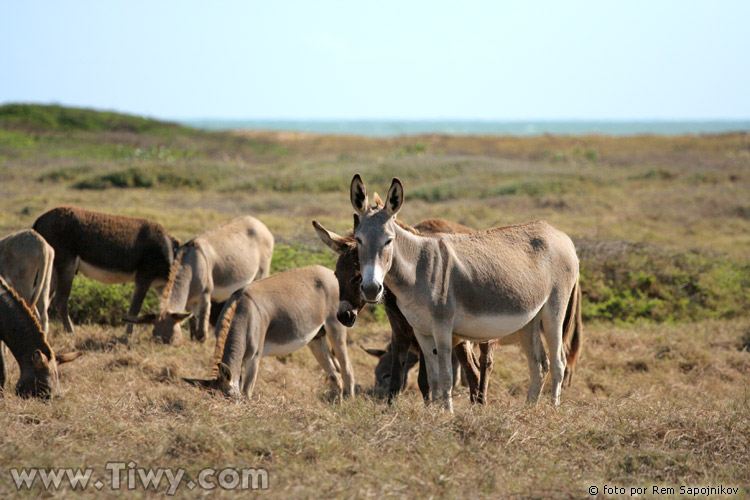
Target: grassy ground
x,y
660,397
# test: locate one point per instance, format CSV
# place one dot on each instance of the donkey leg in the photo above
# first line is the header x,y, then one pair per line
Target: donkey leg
x,y
465,356
531,342
422,382
142,284
430,362
337,333
401,332
444,346
66,271
319,348
42,304
486,360
553,315
251,375
204,314
437,349
2,369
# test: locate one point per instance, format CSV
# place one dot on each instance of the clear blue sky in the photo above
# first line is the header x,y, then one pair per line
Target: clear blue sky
x,y
405,59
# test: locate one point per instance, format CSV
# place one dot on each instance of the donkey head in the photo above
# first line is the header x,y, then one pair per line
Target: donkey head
x,y
222,383
39,374
374,235
167,325
347,273
384,366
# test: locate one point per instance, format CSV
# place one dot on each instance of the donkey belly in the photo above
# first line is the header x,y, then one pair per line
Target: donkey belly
x,y
491,326
281,342
223,291
108,276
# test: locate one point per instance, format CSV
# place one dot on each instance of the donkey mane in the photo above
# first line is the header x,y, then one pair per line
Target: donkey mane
x,y
174,268
38,331
221,339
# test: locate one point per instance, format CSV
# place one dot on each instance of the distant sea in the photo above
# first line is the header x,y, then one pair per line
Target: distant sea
x,y
387,128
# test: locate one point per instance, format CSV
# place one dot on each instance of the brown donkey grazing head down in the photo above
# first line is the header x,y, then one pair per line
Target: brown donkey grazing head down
x,y
22,333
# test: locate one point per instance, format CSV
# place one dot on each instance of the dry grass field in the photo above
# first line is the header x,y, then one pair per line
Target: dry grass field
x,y
660,397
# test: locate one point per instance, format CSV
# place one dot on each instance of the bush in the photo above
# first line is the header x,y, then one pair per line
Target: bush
x,y
94,302
624,282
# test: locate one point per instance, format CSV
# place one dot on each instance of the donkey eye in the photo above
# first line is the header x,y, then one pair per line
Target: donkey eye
x,y
390,240
359,242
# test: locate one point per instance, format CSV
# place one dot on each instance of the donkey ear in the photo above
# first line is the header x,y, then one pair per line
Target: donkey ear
x,y
39,360
224,376
204,384
358,194
378,353
395,198
180,317
142,319
331,239
68,357
356,221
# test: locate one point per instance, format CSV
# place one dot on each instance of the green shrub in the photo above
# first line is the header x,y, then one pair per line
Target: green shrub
x,y
286,257
132,177
625,282
64,174
155,176
95,302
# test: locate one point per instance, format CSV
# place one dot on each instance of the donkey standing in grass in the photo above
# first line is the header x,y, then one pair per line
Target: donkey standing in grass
x,y
26,261
209,267
397,359
480,286
274,317
107,248
22,333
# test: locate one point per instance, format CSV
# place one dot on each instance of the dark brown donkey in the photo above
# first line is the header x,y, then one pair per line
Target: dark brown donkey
x,y
392,375
22,333
108,248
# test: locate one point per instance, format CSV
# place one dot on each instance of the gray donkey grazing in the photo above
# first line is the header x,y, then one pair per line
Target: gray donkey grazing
x,y
274,317
210,267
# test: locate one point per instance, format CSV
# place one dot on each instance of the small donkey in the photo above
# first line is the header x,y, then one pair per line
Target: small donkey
x,y
274,317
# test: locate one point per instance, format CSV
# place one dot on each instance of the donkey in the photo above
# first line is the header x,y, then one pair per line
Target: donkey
x,y
209,267
26,264
397,359
107,248
274,317
515,280
21,332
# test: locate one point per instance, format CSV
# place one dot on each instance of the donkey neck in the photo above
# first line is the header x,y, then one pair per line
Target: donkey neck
x,y
408,250
177,289
20,330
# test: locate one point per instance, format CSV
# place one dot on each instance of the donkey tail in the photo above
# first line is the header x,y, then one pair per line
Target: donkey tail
x,y
573,330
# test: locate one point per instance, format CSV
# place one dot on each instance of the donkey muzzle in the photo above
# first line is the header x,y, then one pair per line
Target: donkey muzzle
x,y
372,291
346,314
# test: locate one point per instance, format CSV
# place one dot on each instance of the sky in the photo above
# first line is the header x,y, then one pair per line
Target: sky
x,y
404,59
